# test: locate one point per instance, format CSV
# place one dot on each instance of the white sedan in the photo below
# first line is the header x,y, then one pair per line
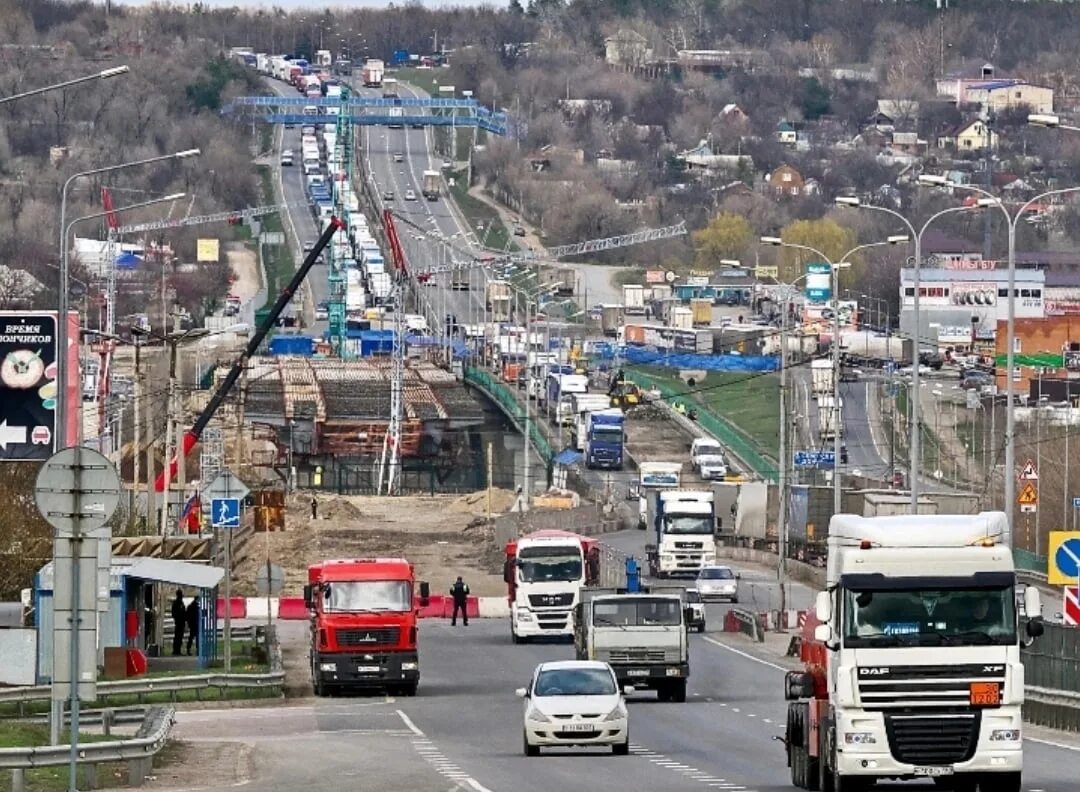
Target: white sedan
x,y
718,582
575,702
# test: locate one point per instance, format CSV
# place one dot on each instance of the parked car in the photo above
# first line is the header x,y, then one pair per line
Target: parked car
x,y
575,702
696,605
718,582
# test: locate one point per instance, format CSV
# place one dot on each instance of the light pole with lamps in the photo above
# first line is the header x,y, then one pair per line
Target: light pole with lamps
x,y
1050,121
989,199
835,267
62,301
915,441
116,71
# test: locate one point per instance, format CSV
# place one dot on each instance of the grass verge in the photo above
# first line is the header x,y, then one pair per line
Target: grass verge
x,y
482,219
280,265
55,779
749,401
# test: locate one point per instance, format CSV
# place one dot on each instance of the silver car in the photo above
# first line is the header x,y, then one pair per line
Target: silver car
x,y
718,583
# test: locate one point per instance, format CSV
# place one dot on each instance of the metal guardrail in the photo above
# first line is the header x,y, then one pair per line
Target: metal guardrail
x,y
748,622
138,752
154,685
502,396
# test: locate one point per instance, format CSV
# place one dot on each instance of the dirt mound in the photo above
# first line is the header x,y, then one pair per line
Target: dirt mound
x,y
502,501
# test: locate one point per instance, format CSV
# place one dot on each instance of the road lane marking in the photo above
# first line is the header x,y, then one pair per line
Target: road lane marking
x,y
747,655
409,724
1053,744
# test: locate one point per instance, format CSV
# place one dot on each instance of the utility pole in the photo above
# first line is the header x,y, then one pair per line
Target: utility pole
x,y
169,428
782,516
135,447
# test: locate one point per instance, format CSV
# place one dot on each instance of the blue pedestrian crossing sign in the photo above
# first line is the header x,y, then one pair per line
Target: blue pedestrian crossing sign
x,y
1063,567
225,512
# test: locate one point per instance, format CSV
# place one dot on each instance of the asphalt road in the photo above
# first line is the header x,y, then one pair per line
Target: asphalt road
x,y
463,730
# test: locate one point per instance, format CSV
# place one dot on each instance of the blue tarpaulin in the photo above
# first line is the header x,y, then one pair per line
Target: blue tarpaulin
x,y
643,356
567,457
128,261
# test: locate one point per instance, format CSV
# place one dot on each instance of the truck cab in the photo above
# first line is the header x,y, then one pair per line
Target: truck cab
x,y
544,572
605,435
912,657
643,636
363,625
654,476
684,522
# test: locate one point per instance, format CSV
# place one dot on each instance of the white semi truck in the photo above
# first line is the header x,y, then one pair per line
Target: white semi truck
x,y
684,526
912,657
654,476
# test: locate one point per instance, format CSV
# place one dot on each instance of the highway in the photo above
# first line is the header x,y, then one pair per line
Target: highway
x,y
463,730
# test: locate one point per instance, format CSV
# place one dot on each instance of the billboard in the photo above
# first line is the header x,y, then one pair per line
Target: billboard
x,y
28,390
206,250
654,276
818,281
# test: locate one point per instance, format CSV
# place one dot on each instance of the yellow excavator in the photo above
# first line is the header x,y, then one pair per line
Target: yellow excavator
x,y
623,393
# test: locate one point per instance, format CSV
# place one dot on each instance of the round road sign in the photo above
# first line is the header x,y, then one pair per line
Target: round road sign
x,y
77,489
669,276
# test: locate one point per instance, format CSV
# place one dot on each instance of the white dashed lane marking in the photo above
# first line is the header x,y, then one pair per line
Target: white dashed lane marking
x,y
695,774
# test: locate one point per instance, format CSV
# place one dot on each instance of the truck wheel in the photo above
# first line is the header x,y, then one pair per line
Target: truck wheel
x,y
530,750
663,693
409,689
514,637
678,691
701,627
1000,782
969,783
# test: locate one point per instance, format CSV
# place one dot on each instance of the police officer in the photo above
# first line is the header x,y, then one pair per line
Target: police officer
x,y
460,592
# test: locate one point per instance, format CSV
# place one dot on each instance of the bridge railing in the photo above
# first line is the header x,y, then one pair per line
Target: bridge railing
x,y
507,400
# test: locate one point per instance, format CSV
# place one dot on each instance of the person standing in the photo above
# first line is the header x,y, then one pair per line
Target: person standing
x,y
193,625
460,592
314,508
179,617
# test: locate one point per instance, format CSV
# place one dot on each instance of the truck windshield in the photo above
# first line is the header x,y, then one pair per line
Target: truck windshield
x,y
927,617
610,430
690,524
368,595
539,565
637,613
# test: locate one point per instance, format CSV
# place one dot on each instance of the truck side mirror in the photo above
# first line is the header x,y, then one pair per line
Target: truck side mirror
x,y
1032,603
823,607
425,593
823,633
1035,628
309,600
688,616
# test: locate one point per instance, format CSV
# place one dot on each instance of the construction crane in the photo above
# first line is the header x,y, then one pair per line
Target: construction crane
x,y
217,217
595,245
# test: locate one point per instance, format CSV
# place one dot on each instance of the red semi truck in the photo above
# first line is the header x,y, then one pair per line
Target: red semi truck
x,y
364,625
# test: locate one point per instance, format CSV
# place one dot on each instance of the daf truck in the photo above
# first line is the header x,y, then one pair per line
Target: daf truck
x,y
544,572
912,666
684,525
605,438
642,635
364,625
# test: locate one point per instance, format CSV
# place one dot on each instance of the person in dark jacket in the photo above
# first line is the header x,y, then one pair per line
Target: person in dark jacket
x,y
179,617
314,508
460,592
193,625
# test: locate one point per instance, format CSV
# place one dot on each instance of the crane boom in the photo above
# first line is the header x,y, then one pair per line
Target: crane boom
x,y
599,245
216,217
192,435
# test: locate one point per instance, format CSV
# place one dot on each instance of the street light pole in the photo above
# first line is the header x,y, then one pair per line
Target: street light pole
x,y
835,413
1011,221
116,71
62,373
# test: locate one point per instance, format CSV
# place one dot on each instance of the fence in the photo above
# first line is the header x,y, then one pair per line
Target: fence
x,y
738,443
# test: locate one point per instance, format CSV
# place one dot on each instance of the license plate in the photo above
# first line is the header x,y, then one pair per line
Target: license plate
x,y
368,669
577,727
637,672
933,771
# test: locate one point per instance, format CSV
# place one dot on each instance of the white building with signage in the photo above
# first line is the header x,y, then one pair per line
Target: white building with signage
x,y
964,296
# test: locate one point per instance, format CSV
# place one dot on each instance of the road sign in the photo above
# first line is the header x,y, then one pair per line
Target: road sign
x,y
77,490
1076,503
765,271
1029,473
28,390
75,616
269,580
1070,609
814,459
224,485
1029,495
225,512
1063,558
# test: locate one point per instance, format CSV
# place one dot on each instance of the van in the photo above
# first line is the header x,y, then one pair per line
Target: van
x,y
310,110
311,167
286,159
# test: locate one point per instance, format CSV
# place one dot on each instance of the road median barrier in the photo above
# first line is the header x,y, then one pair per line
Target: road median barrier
x,y
740,620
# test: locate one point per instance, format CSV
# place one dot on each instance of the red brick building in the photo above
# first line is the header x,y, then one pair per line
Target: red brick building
x,y
1051,344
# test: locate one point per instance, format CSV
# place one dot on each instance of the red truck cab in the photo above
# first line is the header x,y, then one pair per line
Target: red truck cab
x,y
364,625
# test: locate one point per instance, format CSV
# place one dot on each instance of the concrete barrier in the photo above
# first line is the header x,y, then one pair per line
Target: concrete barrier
x,y
260,608
493,608
237,608
798,570
292,608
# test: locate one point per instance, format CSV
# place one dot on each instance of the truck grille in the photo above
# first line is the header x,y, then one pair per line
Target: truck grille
x,y
368,637
689,545
551,600
923,688
638,656
922,740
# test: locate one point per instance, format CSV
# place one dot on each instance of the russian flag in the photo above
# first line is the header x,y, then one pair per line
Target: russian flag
x,y
192,514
